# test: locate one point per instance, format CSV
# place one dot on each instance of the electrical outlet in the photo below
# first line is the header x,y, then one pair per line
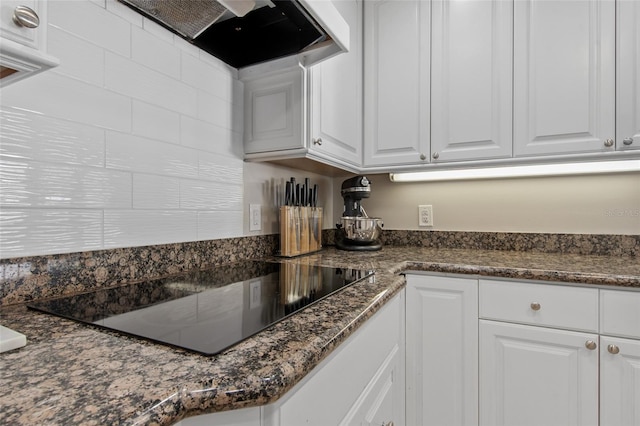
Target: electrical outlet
x,y
255,217
425,215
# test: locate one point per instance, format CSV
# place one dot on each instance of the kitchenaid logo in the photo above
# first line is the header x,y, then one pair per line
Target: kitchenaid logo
x,y
622,213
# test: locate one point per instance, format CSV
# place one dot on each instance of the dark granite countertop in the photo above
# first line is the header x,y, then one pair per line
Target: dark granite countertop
x,y
73,374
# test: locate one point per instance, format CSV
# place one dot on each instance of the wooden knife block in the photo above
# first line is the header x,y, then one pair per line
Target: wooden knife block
x,y
300,230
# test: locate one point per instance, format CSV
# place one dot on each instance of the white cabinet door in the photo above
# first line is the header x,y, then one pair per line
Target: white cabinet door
x,y
381,403
564,76
531,376
471,80
619,382
336,96
628,75
396,94
274,111
442,350
31,37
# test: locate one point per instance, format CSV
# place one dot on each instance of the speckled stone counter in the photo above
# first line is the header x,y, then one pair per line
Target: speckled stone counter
x,y
74,374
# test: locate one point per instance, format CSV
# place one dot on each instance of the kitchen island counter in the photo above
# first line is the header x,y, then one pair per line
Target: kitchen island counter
x,y
70,373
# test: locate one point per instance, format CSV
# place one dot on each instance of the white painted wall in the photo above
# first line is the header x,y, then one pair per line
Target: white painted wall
x,y
596,204
135,139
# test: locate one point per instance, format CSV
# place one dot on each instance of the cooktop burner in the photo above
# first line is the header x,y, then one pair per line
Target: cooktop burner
x,y
206,311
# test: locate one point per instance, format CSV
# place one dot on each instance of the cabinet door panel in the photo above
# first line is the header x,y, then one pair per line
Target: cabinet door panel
x,y
628,75
396,81
471,79
564,81
442,350
274,112
619,382
532,376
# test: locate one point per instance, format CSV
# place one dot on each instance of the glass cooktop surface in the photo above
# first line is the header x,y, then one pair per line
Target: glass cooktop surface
x,y
206,311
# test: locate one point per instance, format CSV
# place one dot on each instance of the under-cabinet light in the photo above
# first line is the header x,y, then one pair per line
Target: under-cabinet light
x,y
558,169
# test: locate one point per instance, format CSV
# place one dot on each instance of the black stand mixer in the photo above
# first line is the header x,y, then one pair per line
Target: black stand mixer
x,y
357,231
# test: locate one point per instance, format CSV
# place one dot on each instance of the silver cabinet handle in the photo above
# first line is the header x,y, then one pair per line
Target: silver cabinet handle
x,y
627,141
317,141
608,143
613,349
24,16
423,157
590,344
387,424
436,155
535,306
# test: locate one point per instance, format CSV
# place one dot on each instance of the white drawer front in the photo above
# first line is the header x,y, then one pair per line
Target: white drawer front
x,y
620,313
540,304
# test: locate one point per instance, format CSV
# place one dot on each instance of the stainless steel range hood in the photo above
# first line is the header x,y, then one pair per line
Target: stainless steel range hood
x,y
248,32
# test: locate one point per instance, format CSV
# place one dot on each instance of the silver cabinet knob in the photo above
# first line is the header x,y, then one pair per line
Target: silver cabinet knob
x,y
590,344
535,306
24,16
627,141
317,141
613,349
423,157
608,143
435,155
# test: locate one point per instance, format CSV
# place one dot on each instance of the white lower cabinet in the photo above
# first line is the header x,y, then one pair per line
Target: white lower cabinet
x,y
619,358
442,350
361,383
619,381
532,376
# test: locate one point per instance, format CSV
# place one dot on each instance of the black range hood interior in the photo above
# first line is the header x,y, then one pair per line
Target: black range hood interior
x,y
269,32
263,34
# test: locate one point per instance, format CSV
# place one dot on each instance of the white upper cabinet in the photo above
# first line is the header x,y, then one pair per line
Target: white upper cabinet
x,y
336,96
471,80
564,77
628,75
23,25
293,112
396,98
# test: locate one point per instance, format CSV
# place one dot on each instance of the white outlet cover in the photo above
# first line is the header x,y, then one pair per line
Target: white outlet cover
x,y
425,215
255,217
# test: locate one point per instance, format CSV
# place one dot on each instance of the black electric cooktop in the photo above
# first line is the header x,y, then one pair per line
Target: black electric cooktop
x,y
206,311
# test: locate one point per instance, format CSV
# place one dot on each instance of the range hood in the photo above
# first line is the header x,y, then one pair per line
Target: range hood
x,y
248,32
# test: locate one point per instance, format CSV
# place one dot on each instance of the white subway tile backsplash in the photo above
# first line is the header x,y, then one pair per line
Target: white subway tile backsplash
x,y
220,168
130,228
215,110
202,195
46,231
155,53
124,12
42,185
157,30
91,22
211,79
140,82
156,122
200,134
154,192
78,58
137,154
27,136
54,95
134,139
219,224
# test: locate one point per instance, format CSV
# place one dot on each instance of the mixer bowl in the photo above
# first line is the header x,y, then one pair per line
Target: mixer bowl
x,y
362,229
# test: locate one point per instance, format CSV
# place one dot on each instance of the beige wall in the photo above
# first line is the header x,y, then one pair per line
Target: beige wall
x,y
264,185
597,204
